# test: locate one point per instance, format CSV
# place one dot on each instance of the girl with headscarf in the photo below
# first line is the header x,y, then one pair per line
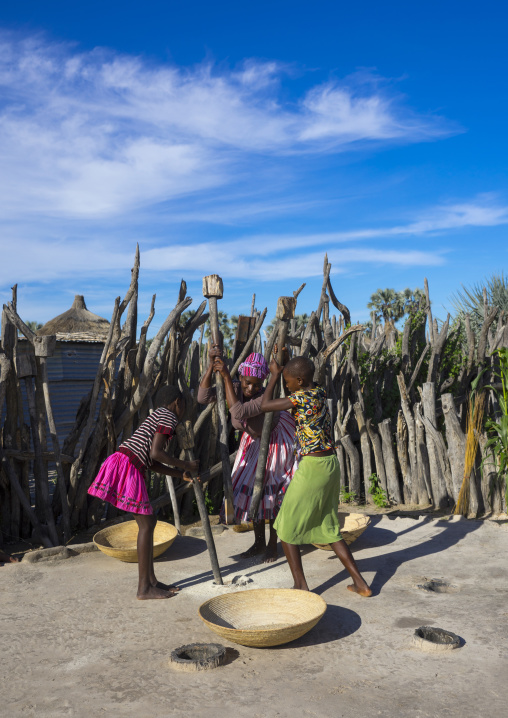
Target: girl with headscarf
x,y
244,402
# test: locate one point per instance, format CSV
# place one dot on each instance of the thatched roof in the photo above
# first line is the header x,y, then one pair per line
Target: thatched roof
x,y
77,323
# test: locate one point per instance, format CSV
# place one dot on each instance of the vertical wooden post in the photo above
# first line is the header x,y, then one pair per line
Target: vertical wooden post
x,y
285,312
213,290
25,369
186,441
44,347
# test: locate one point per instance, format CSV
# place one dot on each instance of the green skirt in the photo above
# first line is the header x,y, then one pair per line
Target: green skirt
x,y
309,511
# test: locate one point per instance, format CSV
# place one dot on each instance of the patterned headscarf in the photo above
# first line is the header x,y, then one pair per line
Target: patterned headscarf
x,y
254,365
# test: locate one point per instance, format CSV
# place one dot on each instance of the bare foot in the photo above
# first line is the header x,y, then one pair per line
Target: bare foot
x,y
254,550
361,589
166,587
154,592
5,558
301,587
271,554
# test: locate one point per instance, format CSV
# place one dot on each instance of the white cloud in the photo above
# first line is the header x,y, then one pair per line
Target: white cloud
x,y
95,135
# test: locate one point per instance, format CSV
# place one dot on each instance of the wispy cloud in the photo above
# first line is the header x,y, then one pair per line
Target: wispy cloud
x,y
97,134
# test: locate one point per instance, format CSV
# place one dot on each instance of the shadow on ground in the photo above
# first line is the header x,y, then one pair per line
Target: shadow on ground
x,y
385,566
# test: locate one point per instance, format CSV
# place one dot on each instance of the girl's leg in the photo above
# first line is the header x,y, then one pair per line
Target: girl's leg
x,y
259,544
146,525
294,559
271,548
344,554
153,579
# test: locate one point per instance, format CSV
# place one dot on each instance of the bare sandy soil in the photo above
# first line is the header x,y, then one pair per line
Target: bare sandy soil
x,y
75,641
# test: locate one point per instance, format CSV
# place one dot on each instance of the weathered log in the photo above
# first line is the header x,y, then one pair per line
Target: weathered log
x,y
11,474
341,307
146,378
44,347
425,486
440,474
365,449
212,289
378,454
355,480
286,307
392,478
412,479
456,441
437,350
429,311
417,368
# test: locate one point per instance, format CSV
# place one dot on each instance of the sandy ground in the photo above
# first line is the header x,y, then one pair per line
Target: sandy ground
x,y
75,641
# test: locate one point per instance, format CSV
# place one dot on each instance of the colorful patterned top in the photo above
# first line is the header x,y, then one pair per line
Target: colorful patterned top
x,y
137,448
312,418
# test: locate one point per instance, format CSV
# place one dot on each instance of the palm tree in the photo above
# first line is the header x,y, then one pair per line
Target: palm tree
x,y
387,305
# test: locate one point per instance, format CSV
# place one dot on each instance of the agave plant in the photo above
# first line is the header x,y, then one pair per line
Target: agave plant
x,y
497,431
469,300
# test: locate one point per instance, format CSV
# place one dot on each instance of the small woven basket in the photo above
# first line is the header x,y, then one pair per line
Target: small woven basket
x,y
120,540
263,617
351,526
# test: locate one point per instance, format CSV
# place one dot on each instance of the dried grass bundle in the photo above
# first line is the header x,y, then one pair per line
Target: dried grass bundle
x,y
473,429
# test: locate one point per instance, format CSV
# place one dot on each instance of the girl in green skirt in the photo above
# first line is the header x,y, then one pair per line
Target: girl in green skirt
x,y
309,512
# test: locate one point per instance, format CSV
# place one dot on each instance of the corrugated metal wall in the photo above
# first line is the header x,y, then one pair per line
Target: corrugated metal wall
x,y
71,372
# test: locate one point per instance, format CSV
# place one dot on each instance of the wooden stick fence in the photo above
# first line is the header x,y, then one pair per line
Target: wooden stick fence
x,y
399,413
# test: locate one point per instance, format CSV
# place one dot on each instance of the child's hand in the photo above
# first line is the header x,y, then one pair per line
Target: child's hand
x,y
214,352
187,477
285,354
219,365
275,367
192,466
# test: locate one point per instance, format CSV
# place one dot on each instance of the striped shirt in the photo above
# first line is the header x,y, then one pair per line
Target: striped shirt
x,y
137,448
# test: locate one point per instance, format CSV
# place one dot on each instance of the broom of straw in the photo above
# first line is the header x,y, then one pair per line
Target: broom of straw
x,y
473,427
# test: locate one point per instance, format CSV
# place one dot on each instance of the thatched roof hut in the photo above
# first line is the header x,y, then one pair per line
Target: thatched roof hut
x,y
77,324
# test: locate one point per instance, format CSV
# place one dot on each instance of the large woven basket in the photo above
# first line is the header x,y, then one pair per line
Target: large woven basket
x,y
351,526
120,540
263,617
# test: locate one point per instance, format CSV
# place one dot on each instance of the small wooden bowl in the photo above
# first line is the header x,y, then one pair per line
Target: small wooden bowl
x,y
351,526
120,540
263,617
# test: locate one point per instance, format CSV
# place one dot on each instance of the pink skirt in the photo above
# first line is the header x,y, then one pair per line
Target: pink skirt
x,y
121,484
280,467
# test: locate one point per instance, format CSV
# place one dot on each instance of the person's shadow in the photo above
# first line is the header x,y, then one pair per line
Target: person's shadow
x,y
385,565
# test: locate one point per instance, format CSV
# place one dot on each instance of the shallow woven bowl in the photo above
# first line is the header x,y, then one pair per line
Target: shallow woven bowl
x,y
351,526
263,617
120,540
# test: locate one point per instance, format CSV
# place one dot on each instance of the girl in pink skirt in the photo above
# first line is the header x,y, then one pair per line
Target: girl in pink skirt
x,y
244,401
121,480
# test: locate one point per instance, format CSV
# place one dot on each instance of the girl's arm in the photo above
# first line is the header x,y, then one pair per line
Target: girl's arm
x,y
231,397
205,396
159,456
267,402
166,470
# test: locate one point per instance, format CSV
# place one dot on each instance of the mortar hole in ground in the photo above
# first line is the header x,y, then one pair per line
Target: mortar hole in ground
x,y
198,656
430,638
437,585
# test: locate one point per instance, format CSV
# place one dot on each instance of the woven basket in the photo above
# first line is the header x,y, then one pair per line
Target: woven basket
x,y
351,526
120,540
263,617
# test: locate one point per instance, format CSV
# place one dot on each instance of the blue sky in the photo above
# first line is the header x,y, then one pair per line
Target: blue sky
x,y
248,139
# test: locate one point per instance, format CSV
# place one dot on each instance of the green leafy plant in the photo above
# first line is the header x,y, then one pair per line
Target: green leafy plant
x,y
497,428
347,497
377,492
